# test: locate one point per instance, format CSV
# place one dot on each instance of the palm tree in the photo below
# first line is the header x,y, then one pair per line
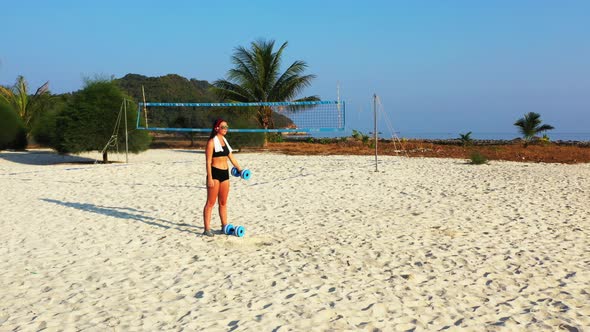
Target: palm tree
x,y
530,125
466,139
27,107
256,77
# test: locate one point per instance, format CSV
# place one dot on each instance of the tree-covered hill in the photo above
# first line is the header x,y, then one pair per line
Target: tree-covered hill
x,y
174,88
170,88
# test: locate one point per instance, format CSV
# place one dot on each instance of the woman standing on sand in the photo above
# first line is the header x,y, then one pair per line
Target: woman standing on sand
x,y
216,154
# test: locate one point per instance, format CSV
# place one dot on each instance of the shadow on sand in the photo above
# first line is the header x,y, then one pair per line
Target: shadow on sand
x,y
124,213
43,158
189,151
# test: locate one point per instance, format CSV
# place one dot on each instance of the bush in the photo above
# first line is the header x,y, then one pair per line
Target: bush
x,y
545,140
477,158
44,128
365,139
357,134
275,137
13,134
242,140
88,120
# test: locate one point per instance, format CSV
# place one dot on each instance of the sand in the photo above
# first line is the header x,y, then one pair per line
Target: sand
x,y
331,245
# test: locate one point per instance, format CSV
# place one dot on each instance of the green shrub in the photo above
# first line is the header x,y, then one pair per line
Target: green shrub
x,y
243,140
88,120
365,139
275,137
357,134
477,158
44,127
545,140
13,134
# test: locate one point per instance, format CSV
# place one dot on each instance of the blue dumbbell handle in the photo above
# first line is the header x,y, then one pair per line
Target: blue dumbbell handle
x,y
244,174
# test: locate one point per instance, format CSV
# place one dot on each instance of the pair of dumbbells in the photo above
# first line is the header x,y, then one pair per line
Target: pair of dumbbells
x,y
244,174
230,229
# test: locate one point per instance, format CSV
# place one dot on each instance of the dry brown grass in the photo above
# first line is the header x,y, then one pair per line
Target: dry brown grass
x,y
550,153
512,152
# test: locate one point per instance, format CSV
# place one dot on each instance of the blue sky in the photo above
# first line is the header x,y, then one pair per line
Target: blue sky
x,y
437,66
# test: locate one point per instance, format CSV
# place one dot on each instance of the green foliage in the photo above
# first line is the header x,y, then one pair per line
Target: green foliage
x,y
174,88
477,158
275,137
242,140
12,130
372,144
360,136
466,139
44,128
530,125
545,140
26,106
244,118
171,88
365,139
257,77
88,120
357,134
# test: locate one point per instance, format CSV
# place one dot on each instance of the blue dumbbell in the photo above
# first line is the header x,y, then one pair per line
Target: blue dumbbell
x,y
239,231
228,229
244,174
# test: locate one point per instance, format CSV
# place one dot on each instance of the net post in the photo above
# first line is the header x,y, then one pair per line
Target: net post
x,y
375,128
144,107
126,135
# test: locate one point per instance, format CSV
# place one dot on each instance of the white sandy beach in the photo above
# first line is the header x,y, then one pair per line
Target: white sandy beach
x,y
330,245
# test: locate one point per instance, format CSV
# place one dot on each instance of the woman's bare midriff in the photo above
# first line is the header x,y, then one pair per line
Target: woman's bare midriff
x,y
219,162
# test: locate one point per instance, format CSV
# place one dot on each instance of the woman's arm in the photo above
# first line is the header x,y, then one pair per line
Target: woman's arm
x,y
234,161
209,161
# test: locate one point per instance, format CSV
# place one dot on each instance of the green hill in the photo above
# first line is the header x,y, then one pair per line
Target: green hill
x,y
170,88
174,88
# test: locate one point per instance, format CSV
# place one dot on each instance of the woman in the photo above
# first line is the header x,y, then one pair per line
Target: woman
x,y
216,153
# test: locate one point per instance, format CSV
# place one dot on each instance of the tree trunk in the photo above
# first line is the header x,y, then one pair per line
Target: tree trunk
x,y
266,122
105,158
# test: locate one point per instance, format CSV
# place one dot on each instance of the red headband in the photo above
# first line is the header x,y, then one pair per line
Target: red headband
x,y
217,123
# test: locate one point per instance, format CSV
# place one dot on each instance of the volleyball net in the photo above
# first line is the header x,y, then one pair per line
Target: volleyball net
x,y
305,116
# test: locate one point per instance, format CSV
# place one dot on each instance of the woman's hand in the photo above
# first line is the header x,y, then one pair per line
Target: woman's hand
x,y
210,183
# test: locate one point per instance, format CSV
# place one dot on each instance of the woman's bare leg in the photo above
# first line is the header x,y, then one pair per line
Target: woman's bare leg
x,y
223,193
212,193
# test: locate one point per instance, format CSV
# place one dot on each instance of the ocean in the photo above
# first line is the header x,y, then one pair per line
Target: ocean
x,y
557,136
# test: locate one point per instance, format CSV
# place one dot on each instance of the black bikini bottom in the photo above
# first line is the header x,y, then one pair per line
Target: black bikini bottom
x,y
219,174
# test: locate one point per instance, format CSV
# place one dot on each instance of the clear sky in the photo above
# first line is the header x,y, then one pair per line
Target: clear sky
x,y
437,66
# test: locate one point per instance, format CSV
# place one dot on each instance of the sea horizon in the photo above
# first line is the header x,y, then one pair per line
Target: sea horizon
x,y
557,136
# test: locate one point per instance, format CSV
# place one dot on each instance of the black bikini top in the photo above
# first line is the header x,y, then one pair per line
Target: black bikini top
x,y
223,153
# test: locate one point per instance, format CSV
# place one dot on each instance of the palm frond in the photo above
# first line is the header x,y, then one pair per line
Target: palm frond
x,y
545,127
530,125
256,77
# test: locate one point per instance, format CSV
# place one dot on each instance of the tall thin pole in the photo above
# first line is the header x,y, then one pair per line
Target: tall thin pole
x,y
338,104
126,136
375,128
144,107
